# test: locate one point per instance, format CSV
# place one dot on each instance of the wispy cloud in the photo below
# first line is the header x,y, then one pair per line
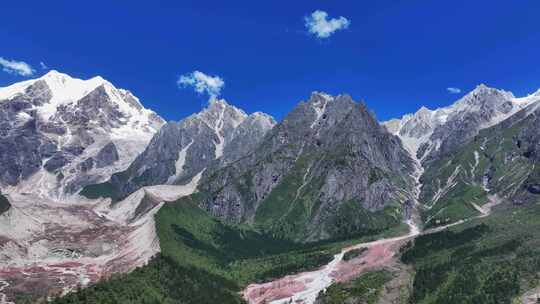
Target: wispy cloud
x,y
16,67
43,65
202,83
452,90
319,25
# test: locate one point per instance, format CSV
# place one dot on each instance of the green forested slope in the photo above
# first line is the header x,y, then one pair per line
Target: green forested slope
x,y
491,260
203,261
503,160
365,289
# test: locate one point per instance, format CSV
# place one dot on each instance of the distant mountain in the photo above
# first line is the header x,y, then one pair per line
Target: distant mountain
x,y
58,133
327,170
220,134
470,149
433,133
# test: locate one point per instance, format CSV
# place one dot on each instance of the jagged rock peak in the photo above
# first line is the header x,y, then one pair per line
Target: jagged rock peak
x,y
481,95
218,112
320,95
264,120
317,97
219,134
321,106
262,115
223,117
423,111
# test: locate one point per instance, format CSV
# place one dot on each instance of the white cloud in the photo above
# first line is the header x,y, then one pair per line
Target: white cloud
x,y
43,65
319,25
16,67
452,90
202,83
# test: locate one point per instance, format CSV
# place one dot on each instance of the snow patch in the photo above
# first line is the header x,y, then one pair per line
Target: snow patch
x,y
320,107
14,89
217,129
179,165
65,90
476,162
450,183
416,129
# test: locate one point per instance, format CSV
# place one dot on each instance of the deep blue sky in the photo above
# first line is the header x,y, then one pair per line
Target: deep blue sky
x,y
396,55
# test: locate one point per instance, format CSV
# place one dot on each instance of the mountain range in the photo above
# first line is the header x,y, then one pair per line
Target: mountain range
x,y
86,172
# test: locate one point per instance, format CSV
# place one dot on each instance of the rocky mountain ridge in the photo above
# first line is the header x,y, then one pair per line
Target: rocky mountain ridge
x,y
427,133
327,155
463,148
218,135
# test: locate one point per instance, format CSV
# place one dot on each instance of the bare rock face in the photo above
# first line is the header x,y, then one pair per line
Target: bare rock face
x,y
249,133
21,143
527,144
180,150
4,204
328,152
52,126
107,156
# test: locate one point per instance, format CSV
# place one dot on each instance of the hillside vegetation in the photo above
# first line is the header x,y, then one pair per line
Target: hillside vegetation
x,y
490,260
203,261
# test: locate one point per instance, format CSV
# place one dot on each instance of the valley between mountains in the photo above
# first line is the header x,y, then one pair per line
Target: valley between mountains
x,y
102,201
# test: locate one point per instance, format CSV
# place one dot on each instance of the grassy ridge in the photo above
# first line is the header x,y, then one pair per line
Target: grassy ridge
x,y
190,236
455,205
494,155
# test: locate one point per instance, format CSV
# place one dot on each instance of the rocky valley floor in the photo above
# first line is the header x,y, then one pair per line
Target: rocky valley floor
x,y
52,248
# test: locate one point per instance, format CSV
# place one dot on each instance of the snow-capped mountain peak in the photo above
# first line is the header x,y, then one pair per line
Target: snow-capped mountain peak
x,y
482,96
483,107
66,91
81,130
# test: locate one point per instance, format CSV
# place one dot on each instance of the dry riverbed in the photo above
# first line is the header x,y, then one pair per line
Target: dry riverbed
x,y
303,288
